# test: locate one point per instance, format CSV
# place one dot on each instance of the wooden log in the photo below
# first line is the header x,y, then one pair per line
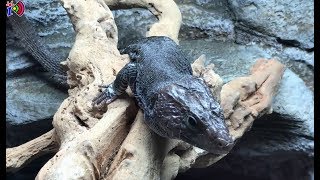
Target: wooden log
x,y
19,156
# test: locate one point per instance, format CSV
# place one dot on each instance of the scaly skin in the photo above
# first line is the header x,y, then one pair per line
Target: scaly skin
x,y
175,103
34,45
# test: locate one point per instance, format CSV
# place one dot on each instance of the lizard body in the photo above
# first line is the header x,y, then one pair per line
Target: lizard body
x,y
176,104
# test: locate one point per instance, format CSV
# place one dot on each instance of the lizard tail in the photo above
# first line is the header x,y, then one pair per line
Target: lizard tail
x,y
32,43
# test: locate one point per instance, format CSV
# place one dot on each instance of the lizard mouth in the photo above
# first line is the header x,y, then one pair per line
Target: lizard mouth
x,y
210,147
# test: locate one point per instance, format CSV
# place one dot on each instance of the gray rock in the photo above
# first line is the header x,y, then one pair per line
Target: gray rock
x,y
292,22
31,102
197,23
230,60
243,57
218,6
30,99
17,134
279,145
276,166
297,54
17,60
52,24
132,24
203,19
295,101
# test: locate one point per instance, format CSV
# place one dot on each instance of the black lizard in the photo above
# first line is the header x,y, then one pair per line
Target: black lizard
x,y
175,103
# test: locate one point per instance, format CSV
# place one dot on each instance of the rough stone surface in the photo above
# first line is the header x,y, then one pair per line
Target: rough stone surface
x,y
52,24
206,18
22,133
292,22
132,24
232,60
198,23
246,165
17,58
222,54
220,6
296,54
31,99
296,101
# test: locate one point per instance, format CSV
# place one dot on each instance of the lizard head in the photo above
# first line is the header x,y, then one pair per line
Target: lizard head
x,y
187,110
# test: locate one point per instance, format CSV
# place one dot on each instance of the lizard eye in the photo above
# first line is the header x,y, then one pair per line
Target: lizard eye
x,y
192,122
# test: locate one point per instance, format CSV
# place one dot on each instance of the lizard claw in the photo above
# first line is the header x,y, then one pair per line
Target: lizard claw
x,y
106,96
103,86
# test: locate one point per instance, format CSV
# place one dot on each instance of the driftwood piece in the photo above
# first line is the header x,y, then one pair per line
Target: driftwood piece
x,y
87,142
140,156
92,151
95,144
18,156
246,98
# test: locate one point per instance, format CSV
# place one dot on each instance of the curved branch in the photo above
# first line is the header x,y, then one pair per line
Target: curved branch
x,y
18,157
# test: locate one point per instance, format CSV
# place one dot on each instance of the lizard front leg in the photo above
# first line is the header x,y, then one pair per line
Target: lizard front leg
x,y
125,76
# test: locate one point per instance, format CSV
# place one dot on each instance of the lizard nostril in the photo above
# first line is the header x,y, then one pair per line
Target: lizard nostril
x,y
225,144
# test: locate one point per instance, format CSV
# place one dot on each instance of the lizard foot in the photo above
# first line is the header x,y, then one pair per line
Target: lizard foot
x,y
106,96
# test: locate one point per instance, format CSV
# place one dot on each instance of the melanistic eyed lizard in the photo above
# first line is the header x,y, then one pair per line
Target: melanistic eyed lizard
x,y
176,104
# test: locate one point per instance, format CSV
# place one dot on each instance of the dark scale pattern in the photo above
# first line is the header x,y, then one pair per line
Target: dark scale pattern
x,y
34,45
175,103
159,62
